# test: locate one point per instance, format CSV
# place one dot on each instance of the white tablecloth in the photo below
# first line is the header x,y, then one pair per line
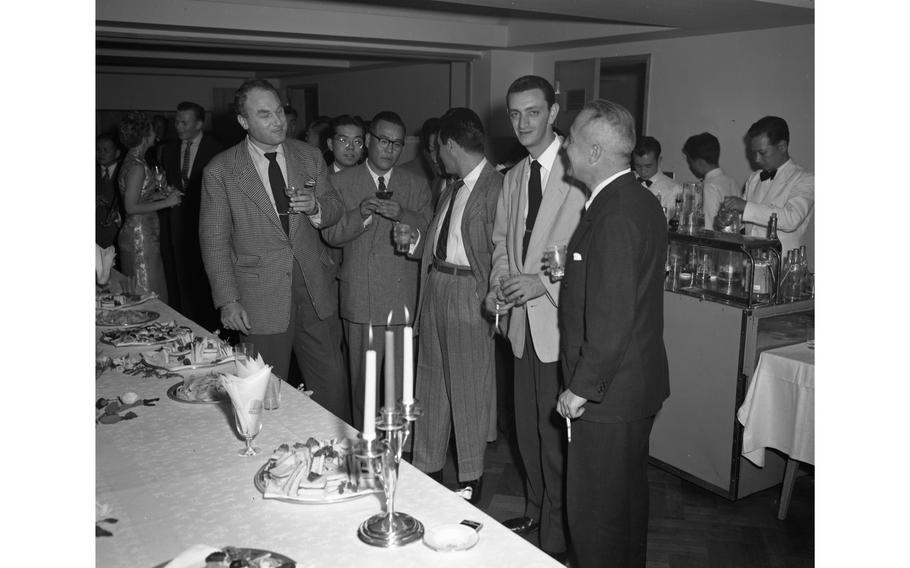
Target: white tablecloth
x,y
172,477
779,409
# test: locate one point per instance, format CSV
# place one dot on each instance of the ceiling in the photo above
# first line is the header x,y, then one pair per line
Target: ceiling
x,y
294,37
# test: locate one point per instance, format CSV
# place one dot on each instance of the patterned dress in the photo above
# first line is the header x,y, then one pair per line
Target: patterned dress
x,y
139,239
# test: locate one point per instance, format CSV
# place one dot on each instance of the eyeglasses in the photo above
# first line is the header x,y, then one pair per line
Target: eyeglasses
x,y
345,141
384,142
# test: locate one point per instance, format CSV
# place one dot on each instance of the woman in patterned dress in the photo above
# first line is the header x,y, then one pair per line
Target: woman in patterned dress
x,y
139,240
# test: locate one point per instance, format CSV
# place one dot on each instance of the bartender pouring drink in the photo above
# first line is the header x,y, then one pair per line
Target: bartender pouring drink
x,y
779,186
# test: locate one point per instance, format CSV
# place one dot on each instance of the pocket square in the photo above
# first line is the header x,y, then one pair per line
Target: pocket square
x,y
576,256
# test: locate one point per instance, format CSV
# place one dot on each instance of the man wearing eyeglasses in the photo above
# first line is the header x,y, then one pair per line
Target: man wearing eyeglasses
x,y
375,280
345,142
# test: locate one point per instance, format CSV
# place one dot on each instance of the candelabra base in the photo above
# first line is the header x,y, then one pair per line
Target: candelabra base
x,y
379,531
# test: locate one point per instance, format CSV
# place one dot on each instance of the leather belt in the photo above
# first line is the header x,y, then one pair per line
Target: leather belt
x,y
453,270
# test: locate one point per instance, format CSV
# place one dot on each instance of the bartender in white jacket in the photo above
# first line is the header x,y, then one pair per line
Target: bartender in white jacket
x,y
779,186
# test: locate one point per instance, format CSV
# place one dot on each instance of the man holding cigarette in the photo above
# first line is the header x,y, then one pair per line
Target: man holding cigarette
x,y
611,342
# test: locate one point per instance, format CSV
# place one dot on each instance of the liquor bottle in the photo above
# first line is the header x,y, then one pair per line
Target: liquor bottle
x,y
674,221
772,228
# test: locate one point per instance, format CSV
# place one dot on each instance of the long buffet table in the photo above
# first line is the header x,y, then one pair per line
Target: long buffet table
x,y
173,479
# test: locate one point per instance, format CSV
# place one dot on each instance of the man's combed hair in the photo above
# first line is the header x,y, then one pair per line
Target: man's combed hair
x,y
195,107
647,145
344,120
391,117
464,127
529,82
703,146
774,127
619,119
241,93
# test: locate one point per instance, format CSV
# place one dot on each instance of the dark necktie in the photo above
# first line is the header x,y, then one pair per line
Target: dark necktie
x,y
535,195
646,182
443,239
276,181
105,175
381,184
765,176
185,168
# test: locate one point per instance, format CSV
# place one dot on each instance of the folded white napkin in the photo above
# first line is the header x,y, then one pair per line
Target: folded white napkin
x,y
192,557
246,387
104,260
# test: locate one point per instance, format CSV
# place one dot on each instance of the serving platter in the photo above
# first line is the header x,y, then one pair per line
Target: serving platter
x,y
207,394
155,333
340,485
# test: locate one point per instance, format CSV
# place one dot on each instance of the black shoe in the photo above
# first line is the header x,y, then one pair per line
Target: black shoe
x,y
435,476
561,557
470,490
521,525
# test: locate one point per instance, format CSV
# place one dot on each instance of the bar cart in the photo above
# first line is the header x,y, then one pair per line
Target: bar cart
x,y
721,310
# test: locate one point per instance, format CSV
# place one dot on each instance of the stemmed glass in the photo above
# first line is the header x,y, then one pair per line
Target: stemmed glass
x,y
249,424
160,178
291,191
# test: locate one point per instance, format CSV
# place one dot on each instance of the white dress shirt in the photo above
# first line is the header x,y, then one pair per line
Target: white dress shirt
x,y
666,190
455,251
261,163
717,186
602,185
546,159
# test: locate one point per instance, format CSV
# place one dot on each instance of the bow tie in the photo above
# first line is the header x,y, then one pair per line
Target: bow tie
x,y
765,176
647,182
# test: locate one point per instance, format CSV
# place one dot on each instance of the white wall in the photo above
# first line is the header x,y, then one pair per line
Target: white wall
x,y
416,92
720,84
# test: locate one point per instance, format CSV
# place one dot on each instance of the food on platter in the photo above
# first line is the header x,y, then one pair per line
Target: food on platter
x,y
108,301
316,472
201,388
198,352
123,318
151,334
247,558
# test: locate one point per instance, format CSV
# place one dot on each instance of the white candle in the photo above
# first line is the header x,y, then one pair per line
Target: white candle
x,y
389,367
407,366
369,396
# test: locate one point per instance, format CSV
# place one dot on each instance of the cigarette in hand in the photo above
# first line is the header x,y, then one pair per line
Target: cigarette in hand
x,y
569,429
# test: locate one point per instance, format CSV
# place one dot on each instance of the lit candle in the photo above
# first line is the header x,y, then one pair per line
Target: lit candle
x,y
389,364
369,396
407,366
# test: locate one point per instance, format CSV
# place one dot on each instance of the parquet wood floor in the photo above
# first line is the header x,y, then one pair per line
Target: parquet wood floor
x,y
689,527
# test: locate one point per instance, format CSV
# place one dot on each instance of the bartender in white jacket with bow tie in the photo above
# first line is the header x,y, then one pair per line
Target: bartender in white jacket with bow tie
x,y
779,186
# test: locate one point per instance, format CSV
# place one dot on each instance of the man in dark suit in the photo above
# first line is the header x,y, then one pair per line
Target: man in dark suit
x,y
108,205
456,374
271,276
611,342
375,280
184,162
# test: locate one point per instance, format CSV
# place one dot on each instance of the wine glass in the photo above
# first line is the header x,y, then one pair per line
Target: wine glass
x,y
249,424
387,194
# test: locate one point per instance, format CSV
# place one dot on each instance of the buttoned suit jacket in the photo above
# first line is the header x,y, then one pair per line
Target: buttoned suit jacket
x,y
476,232
611,305
560,210
184,220
374,279
247,255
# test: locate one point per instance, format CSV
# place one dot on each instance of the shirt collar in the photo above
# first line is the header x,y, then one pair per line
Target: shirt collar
x,y
260,152
195,140
472,177
548,156
604,184
386,176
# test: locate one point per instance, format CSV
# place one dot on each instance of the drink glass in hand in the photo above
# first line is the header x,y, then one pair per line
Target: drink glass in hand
x,y
401,234
291,191
160,178
249,424
387,194
555,258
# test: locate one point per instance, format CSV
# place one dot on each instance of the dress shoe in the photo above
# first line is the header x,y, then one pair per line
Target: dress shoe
x,y
470,490
435,476
521,525
561,557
